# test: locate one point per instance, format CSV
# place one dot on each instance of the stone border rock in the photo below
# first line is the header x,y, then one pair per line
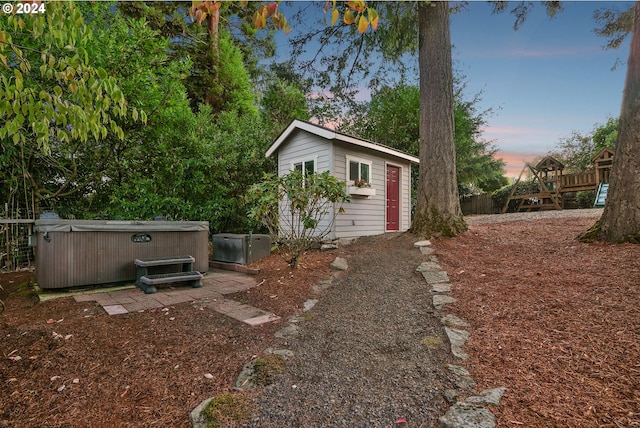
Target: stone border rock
x,y
463,413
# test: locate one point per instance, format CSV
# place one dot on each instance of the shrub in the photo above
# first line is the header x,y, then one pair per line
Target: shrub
x,y
586,198
501,195
297,209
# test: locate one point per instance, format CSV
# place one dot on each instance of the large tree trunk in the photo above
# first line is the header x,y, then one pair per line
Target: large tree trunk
x,y
438,210
620,221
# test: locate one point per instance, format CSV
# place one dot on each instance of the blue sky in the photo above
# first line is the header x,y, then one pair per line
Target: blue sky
x,y
544,81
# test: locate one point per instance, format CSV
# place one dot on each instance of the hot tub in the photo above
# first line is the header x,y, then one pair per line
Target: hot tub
x,y
72,253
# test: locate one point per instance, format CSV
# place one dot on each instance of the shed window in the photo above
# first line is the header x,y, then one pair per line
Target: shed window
x,y
359,172
307,167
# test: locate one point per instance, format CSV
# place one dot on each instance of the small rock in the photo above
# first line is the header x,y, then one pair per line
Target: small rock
x,y
424,243
488,396
450,395
245,378
339,264
465,382
439,300
196,417
327,247
322,286
289,332
458,370
346,241
441,287
285,353
463,415
435,277
428,266
309,304
457,339
208,375
451,320
427,250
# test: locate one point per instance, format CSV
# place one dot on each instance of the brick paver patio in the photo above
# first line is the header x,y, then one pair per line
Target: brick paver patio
x,y
215,285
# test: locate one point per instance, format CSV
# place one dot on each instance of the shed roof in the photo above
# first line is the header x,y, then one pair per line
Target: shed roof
x,y
331,134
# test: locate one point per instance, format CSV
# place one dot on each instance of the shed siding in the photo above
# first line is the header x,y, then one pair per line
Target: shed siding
x,y
405,189
367,216
305,146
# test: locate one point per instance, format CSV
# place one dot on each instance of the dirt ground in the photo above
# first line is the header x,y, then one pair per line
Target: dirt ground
x,y
554,320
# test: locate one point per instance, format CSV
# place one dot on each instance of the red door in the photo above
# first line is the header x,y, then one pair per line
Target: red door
x,y
393,197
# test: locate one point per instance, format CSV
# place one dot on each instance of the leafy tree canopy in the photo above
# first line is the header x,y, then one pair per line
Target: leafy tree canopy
x,y
577,151
51,91
392,118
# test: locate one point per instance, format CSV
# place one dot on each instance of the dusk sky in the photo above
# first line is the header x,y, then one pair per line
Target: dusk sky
x,y
544,81
547,79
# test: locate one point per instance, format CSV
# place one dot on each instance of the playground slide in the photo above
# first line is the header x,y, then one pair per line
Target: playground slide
x,y
601,196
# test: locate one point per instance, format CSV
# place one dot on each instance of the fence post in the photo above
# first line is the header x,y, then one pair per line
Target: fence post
x,y
7,262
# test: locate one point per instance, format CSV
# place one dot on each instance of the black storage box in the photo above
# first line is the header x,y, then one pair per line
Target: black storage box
x,y
240,248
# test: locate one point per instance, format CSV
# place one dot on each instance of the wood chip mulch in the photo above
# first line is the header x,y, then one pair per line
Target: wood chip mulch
x,y
69,364
555,321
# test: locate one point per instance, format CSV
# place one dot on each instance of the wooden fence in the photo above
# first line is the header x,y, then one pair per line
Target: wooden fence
x,y
479,204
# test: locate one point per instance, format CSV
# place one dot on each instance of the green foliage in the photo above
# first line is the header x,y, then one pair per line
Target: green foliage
x,y
578,150
265,369
524,187
586,198
392,118
297,210
615,24
51,92
67,109
192,41
283,102
201,174
226,87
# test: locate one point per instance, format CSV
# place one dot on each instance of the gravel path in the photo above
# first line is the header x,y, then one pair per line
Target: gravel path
x,y
371,351
534,215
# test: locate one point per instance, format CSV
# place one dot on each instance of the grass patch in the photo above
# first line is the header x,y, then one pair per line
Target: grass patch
x,y
266,368
225,408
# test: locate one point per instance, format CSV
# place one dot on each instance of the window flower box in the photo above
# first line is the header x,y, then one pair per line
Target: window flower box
x,y
361,191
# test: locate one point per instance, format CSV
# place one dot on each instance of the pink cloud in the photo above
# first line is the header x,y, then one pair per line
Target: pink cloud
x,y
515,162
505,130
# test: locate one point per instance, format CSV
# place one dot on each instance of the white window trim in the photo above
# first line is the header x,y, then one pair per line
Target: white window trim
x,y
313,159
303,160
359,160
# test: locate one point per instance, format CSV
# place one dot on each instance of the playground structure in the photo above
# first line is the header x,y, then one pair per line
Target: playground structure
x,y
554,186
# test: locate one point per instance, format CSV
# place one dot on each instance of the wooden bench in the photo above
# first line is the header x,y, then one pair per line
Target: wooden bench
x,y
147,282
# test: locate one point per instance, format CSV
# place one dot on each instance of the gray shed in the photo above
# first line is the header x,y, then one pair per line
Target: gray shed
x,y
377,177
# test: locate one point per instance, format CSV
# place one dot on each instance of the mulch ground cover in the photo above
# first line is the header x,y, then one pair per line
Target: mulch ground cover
x,y
69,364
554,320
